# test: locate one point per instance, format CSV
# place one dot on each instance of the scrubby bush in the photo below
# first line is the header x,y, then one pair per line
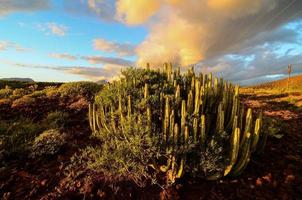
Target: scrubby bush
x,y
126,154
48,143
74,89
5,101
17,135
38,94
56,120
5,93
19,92
52,91
23,101
80,104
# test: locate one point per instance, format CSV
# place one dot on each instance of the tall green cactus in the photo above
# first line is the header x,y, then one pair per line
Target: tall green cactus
x,y
182,112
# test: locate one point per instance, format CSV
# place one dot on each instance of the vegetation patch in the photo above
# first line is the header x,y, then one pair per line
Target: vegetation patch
x,y
191,124
48,143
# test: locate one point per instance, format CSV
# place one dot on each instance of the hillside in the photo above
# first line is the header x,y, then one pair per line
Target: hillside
x,y
295,82
28,80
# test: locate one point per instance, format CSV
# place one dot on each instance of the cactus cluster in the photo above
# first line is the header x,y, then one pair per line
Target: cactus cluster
x,y
198,123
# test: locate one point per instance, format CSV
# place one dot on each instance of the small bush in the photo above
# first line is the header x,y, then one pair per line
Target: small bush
x,y
124,155
274,127
52,91
23,101
19,92
74,89
5,93
5,101
16,136
38,93
56,120
48,143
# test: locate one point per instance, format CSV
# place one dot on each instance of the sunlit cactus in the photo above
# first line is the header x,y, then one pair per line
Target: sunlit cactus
x,y
197,122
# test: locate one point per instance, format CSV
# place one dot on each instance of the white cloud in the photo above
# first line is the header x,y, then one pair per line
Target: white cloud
x,y
107,60
6,45
121,49
65,56
53,28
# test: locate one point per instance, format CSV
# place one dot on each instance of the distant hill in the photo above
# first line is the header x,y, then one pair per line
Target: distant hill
x,y
295,82
27,80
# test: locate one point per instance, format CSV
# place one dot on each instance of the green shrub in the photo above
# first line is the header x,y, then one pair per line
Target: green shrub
x,y
38,94
56,120
19,92
23,101
5,93
52,92
75,89
126,154
274,127
48,143
16,136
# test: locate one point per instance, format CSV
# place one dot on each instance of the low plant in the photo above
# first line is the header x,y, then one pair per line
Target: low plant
x,y
19,92
52,92
56,120
38,93
23,101
16,136
75,89
48,143
5,101
127,154
5,93
274,127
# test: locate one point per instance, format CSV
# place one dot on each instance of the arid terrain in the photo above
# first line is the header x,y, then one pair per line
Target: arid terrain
x,y
274,174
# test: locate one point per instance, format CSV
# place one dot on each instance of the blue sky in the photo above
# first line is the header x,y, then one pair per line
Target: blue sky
x,y
64,40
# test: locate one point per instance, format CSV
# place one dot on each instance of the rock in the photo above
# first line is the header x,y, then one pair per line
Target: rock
x,y
258,182
289,178
268,177
43,182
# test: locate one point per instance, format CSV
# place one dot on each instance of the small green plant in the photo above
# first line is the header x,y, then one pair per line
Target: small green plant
x,y
52,91
23,101
274,127
87,89
38,93
48,143
127,154
56,120
19,92
5,93
16,136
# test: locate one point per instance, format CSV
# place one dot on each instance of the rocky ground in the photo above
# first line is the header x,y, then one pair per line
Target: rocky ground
x,y
275,174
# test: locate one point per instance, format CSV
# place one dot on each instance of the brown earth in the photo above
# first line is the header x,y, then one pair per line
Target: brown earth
x,y
275,174
294,82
